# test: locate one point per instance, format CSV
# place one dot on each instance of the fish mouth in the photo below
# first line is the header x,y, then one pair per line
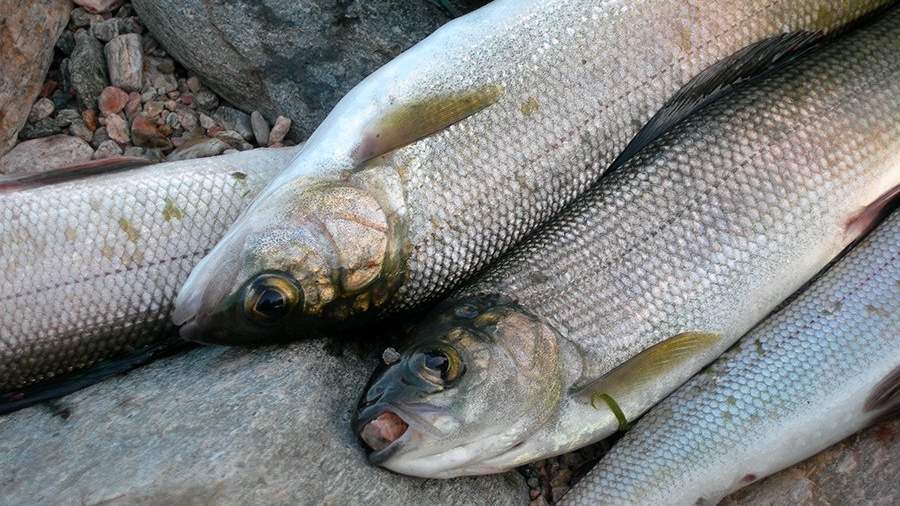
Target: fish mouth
x,y
383,435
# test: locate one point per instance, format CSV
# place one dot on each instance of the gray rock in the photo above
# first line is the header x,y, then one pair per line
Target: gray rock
x,y
28,33
65,117
100,136
219,426
66,42
280,130
206,122
107,149
82,18
125,62
41,109
87,69
107,30
233,119
234,139
80,130
199,148
291,57
46,153
193,84
206,100
38,129
260,128
156,81
186,117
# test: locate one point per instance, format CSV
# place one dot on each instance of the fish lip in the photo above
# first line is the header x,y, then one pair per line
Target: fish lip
x,y
369,414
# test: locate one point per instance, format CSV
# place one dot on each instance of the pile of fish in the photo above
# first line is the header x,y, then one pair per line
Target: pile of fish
x,y
646,216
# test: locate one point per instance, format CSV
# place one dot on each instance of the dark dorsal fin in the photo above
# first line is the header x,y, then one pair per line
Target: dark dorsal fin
x,y
70,172
753,61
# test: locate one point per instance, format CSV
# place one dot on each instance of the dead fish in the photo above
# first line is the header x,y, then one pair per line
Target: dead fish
x,y
650,275
90,265
821,369
440,161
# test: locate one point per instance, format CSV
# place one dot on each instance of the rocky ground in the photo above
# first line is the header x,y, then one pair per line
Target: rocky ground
x,y
111,90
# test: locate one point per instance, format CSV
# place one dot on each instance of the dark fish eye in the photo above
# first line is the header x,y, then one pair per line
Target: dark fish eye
x,y
270,297
445,363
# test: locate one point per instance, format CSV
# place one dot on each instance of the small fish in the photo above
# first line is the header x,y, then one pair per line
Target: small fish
x,y
440,161
650,275
91,260
829,366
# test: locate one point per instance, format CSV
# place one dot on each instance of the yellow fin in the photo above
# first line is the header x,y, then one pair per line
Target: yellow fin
x,y
411,122
646,378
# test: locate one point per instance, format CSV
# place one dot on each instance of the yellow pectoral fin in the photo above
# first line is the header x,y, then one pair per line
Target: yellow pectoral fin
x,y
411,122
633,387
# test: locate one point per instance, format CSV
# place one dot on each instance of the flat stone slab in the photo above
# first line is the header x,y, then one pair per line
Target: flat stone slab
x,y
218,425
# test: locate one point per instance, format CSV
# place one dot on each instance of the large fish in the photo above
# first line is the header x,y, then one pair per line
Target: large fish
x,y
90,266
821,369
650,275
451,153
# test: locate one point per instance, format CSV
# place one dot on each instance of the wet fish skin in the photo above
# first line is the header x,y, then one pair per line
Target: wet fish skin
x,y
561,88
89,268
654,273
803,380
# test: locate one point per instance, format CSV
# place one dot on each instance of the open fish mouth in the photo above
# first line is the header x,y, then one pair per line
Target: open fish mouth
x,y
383,434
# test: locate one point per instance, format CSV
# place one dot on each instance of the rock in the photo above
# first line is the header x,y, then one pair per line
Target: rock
x,y
234,139
206,122
42,128
296,58
65,117
145,133
199,148
82,18
117,128
157,82
66,42
112,100
87,69
28,33
41,109
193,84
206,100
862,469
186,117
78,129
90,119
154,109
233,119
133,106
100,136
135,151
107,149
108,29
223,426
260,128
125,62
280,130
98,6
47,153
166,66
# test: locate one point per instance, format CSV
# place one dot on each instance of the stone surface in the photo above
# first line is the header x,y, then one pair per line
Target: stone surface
x,y
156,81
199,148
117,129
144,133
107,149
280,130
260,128
107,29
233,119
219,426
46,153
27,37
290,57
98,6
87,69
112,100
41,109
862,469
125,61
41,128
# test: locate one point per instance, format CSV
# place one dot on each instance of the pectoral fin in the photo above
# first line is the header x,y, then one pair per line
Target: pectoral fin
x,y
411,122
639,383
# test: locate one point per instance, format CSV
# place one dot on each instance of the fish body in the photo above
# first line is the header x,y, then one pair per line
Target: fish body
x,y
441,160
821,369
651,274
90,266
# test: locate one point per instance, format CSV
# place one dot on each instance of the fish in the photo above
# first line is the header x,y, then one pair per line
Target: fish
x,y
650,275
91,260
443,159
821,369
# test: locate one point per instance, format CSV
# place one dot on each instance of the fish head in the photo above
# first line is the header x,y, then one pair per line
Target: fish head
x,y
479,379
306,255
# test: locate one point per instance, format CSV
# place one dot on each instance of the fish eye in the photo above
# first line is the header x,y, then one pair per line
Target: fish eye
x,y
270,296
444,363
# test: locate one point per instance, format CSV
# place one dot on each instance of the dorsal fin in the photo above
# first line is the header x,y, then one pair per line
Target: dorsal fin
x,y
753,61
70,172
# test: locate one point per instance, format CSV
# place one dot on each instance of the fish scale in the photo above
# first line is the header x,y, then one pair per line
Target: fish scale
x,y
89,268
793,386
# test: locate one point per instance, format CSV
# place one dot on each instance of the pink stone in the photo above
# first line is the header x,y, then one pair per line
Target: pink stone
x,y
98,6
117,129
112,100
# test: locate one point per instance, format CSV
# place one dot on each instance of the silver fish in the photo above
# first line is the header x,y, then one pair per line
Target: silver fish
x,y
89,266
650,275
444,158
821,369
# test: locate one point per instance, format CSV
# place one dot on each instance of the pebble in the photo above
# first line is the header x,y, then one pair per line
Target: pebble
x,y
41,109
260,128
107,29
157,82
65,117
166,66
186,118
206,122
100,136
135,151
107,149
172,121
133,106
112,100
43,154
154,109
117,128
41,128
280,130
206,100
81,18
234,139
98,6
145,133
199,148
87,69
78,129
233,119
89,117
66,42
125,61
193,84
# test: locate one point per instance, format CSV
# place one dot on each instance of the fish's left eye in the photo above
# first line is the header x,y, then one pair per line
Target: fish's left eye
x,y
270,297
444,362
